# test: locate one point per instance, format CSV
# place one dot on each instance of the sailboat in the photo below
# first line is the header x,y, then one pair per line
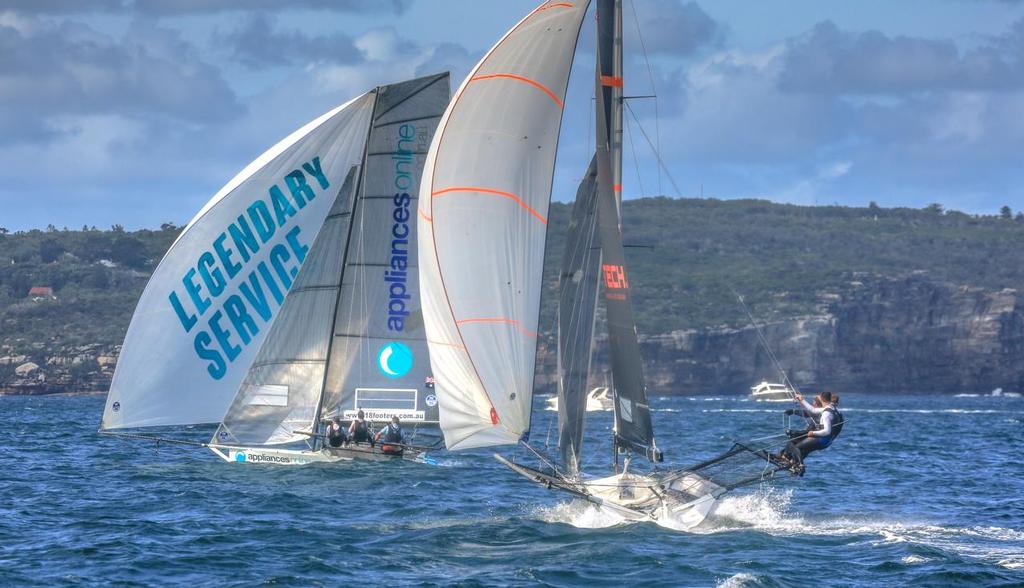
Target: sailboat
x,y
483,216
292,296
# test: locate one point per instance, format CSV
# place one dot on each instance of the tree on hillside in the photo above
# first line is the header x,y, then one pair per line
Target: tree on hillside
x,y
3,231
934,207
1005,212
128,251
873,206
50,250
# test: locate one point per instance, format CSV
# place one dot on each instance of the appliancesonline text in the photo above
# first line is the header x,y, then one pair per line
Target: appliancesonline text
x,y
397,273
224,326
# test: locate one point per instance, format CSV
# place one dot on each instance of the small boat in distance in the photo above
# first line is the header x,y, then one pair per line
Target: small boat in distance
x,y
599,399
770,392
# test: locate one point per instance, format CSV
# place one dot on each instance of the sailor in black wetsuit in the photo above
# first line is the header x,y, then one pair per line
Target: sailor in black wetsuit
x,y
830,424
393,438
335,434
359,430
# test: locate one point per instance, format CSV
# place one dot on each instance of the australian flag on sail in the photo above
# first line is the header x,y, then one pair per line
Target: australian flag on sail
x,y
428,382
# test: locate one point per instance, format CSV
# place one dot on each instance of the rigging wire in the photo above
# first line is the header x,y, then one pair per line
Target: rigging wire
x,y
636,161
657,153
654,89
791,388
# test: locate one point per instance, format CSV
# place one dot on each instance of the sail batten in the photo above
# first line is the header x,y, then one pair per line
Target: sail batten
x,y
488,183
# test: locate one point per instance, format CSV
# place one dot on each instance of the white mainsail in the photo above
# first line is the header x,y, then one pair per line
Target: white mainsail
x,y
488,182
217,291
352,301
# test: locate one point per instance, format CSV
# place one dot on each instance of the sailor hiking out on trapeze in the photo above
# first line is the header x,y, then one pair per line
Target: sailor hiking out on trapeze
x,y
824,413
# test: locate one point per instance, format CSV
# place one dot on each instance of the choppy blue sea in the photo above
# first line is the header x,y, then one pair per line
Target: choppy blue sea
x,y
918,491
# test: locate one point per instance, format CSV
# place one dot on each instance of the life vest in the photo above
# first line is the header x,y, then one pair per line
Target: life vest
x,y
837,423
335,436
361,431
393,434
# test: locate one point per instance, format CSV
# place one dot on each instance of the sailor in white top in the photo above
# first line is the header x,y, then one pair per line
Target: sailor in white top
x,y
830,423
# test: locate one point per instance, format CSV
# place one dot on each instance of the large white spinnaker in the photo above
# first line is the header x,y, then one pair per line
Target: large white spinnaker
x,y
217,291
482,226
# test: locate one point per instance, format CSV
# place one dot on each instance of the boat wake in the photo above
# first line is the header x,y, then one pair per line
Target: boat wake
x,y
580,514
768,511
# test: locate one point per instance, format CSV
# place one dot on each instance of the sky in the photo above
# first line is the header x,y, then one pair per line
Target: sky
x,y
135,112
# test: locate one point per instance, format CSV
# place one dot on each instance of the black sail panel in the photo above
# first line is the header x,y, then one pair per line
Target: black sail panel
x,y
577,302
633,428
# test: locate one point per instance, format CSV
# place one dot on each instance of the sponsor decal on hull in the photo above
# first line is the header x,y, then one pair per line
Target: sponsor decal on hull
x,y
385,414
260,457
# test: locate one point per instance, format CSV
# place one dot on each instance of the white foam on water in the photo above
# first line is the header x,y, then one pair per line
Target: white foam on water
x,y
764,509
881,410
997,393
767,510
915,559
580,514
737,581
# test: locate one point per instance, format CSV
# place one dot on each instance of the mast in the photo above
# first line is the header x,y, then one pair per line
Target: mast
x,y
633,430
581,264
610,82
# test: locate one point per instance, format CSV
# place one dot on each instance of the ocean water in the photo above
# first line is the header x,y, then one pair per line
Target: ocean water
x,y
918,491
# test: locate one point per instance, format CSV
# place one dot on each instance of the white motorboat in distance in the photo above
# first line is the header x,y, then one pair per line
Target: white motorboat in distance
x,y
770,392
599,399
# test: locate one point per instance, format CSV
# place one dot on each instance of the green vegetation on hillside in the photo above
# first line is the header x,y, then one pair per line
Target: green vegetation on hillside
x,y
96,277
782,258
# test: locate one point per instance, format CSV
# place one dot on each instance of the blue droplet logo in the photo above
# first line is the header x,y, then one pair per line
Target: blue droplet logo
x,y
394,359
239,457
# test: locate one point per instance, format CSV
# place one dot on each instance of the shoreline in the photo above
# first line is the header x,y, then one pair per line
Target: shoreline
x,y
22,393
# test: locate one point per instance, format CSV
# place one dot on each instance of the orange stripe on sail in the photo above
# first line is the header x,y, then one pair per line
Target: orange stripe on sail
x,y
423,215
547,5
506,321
494,192
613,81
533,83
455,345
617,187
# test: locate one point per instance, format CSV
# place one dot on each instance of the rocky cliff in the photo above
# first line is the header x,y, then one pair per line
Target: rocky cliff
x,y
882,335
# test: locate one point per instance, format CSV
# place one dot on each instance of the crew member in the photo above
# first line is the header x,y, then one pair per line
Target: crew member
x,y
393,436
335,433
359,430
830,424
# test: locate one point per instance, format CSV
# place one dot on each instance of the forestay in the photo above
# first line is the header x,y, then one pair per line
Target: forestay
x,y
483,218
217,291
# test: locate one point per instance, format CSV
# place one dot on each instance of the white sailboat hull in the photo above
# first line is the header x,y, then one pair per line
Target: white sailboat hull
x,y
633,497
293,457
681,504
